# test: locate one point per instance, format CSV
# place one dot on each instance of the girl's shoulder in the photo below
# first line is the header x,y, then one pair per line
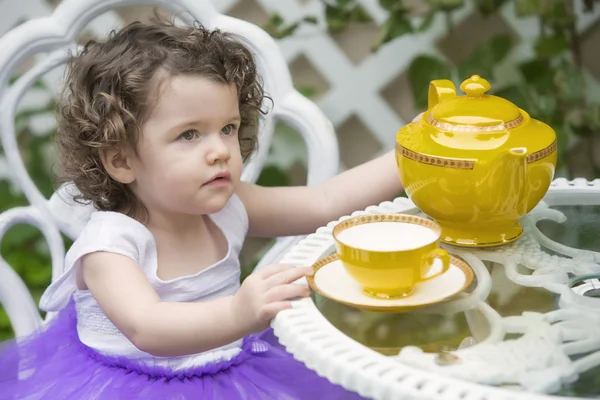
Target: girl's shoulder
x,y
105,231
112,232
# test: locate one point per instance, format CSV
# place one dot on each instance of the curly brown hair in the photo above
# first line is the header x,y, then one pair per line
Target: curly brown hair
x,y
109,93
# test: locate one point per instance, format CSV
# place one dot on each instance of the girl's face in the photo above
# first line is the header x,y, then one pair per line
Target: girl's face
x,y
189,158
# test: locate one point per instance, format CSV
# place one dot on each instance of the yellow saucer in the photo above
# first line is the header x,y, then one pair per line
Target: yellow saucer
x,y
331,280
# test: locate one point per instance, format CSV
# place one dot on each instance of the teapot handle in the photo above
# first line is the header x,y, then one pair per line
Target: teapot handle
x,y
440,90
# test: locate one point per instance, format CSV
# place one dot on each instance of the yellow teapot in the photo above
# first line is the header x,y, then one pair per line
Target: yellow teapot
x,y
475,163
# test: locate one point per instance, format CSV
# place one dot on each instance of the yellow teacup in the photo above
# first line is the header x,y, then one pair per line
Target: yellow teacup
x,y
388,254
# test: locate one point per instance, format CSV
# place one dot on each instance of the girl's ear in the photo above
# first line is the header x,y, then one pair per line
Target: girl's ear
x,y
117,164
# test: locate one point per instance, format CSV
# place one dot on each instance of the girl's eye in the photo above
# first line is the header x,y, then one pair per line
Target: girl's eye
x,y
188,135
228,129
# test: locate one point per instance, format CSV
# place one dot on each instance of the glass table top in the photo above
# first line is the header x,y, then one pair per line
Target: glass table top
x,y
388,333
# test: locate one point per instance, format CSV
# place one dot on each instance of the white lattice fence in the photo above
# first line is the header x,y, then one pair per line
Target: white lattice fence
x,y
366,96
361,89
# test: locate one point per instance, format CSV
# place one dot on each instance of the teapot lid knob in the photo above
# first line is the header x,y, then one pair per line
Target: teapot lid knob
x,y
475,86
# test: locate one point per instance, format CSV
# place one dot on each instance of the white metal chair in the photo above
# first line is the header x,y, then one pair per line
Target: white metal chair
x,y
47,40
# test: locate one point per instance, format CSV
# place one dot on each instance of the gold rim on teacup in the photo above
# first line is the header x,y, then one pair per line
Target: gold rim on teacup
x,y
367,219
387,306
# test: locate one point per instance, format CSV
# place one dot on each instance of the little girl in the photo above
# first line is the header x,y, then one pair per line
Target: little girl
x,y
154,126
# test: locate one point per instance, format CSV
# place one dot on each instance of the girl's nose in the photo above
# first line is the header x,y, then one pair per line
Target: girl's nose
x,y
218,150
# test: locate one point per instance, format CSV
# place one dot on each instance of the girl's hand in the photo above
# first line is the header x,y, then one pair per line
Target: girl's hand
x,y
266,292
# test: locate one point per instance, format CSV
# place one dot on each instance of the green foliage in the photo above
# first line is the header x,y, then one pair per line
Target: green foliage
x,y
271,175
488,7
446,5
420,72
483,60
398,24
340,13
277,27
24,247
423,69
550,85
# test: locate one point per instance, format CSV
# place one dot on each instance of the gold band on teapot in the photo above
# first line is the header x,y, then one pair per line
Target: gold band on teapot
x,y
503,126
543,153
462,163
437,161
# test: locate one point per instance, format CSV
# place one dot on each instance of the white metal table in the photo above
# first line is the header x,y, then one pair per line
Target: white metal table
x,y
527,327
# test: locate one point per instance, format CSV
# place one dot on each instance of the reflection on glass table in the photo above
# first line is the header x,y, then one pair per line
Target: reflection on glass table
x,y
437,332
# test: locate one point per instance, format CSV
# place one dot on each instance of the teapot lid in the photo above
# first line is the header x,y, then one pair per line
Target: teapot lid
x,y
476,111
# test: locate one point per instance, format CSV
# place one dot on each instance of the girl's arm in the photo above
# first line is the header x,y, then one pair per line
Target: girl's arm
x,y
171,329
283,211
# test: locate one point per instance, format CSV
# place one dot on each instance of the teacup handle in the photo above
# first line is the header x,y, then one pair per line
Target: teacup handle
x,y
442,255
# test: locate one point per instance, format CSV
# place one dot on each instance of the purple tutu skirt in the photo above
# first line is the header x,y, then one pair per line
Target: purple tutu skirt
x,y
53,364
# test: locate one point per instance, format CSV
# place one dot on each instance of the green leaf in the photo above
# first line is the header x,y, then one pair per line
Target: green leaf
x,y
307,91
390,5
339,15
276,20
514,94
500,46
6,331
484,59
276,28
569,84
539,106
8,198
359,14
20,235
449,5
336,18
593,112
542,106
421,72
310,19
272,176
554,16
287,31
488,7
427,21
39,274
480,62
345,4
584,122
550,46
397,24
536,70
528,8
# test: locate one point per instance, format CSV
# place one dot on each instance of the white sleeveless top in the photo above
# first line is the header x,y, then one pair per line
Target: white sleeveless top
x,y
118,233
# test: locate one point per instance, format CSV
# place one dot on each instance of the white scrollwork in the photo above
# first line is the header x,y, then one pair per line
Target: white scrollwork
x,y
549,271
539,360
550,350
